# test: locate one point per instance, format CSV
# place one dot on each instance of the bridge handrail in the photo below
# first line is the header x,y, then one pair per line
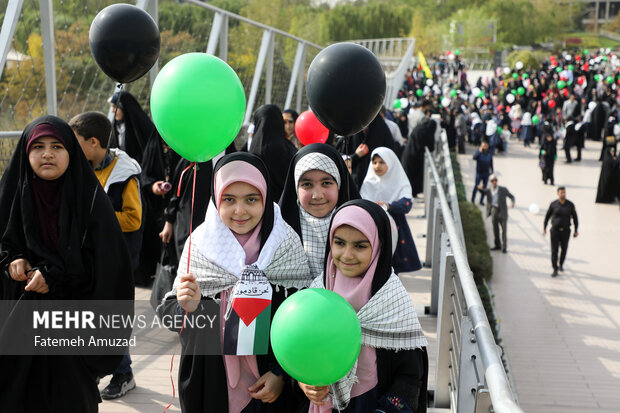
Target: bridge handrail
x,y
496,379
252,22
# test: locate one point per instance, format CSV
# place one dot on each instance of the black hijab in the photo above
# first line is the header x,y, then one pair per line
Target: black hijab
x,y
609,180
139,129
89,262
78,267
254,160
288,201
270,143
384,264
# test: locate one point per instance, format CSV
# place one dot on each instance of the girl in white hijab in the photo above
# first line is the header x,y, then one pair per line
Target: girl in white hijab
x,y
386,183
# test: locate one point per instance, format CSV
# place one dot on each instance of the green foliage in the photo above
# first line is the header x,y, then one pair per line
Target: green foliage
x,y
478,254
531,58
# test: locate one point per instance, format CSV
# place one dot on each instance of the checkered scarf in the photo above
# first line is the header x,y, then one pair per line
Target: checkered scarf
x,y
314,231
388,321
218,260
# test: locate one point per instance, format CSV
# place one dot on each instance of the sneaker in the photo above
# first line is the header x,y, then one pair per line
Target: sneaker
x,y
119,386
554,273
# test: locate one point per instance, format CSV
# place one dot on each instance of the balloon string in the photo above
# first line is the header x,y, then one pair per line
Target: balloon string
x,y
181,181
189,249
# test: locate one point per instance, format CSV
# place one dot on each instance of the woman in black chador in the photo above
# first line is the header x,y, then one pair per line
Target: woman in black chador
x,y
136,134
547,157
270,144
609,181
422,136
60,240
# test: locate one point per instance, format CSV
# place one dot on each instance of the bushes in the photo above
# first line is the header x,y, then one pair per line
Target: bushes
x,y
478,254
531,58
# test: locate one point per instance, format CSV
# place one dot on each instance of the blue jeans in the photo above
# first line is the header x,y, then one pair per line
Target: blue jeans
x,y
125,366
484,178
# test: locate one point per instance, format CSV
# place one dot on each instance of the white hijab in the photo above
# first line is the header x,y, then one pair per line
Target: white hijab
x,y
392,186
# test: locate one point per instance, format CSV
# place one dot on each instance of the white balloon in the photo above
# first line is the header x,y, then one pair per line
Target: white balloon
x,y
519,65
534,209
568,58
506,70
591,105
451,56
445,102
429,82
404,102
475,91
510,98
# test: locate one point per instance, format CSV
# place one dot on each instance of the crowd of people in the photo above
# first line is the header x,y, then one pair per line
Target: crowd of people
x,y
90,207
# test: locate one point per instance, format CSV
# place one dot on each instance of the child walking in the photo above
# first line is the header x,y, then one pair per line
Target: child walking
x,y
386,184
392,367
118,175
60,241
243,237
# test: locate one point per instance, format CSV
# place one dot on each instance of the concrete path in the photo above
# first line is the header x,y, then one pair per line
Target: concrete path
x,y
152,373
561,335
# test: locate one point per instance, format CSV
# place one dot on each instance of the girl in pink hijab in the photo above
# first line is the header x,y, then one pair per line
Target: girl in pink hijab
x,y
392,367
243,246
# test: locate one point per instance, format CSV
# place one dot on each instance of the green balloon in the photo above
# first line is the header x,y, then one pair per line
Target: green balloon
x,y
419,92
604,58
571,67
561,84
521,90
453,93
515,76
597,78
535,119
586,51
397,104
481,94
569,83
610,79
525,76
198,105
316,336
499,130
513,91
558,69
457,52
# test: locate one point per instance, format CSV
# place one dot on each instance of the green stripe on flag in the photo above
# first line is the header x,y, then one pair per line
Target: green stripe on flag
x,y
261,333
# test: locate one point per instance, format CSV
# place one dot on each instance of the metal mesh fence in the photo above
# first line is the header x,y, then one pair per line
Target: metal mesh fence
x,y
82,86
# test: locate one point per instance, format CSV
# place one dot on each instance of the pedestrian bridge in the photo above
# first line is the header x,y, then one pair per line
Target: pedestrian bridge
x,y
560,337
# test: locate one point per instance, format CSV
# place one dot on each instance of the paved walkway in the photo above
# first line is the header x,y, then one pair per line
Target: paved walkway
x,y
152,373
561,335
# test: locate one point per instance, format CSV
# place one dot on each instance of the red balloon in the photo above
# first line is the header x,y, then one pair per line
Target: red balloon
x,y
577,58
551,104
581,79
564,78
309,130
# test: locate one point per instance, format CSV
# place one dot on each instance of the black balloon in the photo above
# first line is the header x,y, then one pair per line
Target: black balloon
x,y
124,41
345,87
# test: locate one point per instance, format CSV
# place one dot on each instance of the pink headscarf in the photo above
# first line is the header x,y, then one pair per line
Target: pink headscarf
x,y
357,291
241,371
239,171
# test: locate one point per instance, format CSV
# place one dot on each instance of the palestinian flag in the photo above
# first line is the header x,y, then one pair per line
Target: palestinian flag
x,y
246,331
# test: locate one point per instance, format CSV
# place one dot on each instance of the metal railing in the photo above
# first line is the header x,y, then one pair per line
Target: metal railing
x,y
470,375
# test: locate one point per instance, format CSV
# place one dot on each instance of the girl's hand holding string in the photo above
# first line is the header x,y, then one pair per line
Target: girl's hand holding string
x,y
188,293
268,388
37,283
18,269
316,394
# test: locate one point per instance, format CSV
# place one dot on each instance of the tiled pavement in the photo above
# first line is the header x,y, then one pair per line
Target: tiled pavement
x,y
561,335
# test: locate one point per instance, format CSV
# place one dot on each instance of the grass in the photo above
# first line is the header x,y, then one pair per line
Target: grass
x,y
591,40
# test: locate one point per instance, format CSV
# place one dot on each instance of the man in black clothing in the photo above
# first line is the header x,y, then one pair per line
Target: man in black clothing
x,y
560,212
